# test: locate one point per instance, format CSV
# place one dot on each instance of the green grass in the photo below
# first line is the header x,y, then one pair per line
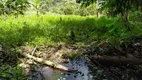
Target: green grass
x,y
108,33
48,30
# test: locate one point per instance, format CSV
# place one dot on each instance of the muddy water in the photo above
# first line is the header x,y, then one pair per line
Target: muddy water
x,y
83,72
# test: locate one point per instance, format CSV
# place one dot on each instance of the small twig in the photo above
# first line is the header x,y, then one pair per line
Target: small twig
x,y
33,51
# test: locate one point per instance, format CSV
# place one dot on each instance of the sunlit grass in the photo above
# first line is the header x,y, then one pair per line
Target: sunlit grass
x,y
71,29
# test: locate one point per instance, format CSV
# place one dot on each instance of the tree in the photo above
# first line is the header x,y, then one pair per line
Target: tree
x,y
19,6
69,7
66,7
115,7
13,7
40,5
98,4
3,7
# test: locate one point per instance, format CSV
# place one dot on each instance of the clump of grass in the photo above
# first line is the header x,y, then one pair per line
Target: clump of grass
x,y
72,55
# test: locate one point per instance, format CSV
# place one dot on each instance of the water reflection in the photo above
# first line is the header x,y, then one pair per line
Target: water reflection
x,y
83,72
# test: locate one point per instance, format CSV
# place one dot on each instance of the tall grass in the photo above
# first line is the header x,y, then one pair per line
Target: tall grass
x,y
48,30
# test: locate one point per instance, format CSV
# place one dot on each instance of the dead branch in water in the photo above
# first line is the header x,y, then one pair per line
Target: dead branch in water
x,y
49,63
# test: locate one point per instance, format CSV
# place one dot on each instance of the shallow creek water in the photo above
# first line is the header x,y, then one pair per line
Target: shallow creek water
x,y
83,72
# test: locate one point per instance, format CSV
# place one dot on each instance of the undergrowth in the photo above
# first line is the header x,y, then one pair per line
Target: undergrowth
x,y
48,30
11,73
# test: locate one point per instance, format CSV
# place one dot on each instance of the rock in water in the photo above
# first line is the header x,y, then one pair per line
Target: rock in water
x,y
47,73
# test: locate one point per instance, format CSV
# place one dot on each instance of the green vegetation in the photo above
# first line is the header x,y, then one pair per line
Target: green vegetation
x,y
76,30
11,73
107,26
47,30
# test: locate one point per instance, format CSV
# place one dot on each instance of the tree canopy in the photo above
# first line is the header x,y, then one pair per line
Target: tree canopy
x,y
114,7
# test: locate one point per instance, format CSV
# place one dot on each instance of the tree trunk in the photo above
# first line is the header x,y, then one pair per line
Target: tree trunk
x,y
125,18
37,13
97,14
116,60
141,12
4,13
37,10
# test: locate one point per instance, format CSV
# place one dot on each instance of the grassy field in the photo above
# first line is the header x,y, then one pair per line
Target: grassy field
x,y
48,30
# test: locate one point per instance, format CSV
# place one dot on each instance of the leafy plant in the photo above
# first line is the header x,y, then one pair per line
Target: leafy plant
x,y
13,73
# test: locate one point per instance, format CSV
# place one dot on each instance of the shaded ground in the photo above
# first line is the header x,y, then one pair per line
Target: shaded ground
x,y
129,72
119,72
66,53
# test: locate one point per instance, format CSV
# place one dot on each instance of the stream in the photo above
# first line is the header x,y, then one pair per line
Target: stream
x,y
82,72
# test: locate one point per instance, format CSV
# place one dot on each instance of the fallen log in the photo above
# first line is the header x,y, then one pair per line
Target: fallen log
x,y
115,60
49,63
